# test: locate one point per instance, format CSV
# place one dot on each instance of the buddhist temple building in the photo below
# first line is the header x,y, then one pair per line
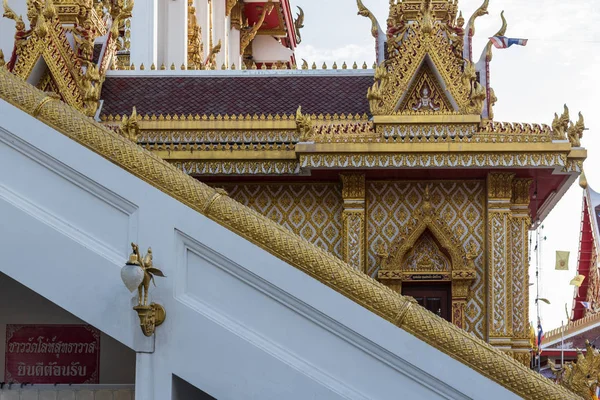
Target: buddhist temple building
x,y
286,230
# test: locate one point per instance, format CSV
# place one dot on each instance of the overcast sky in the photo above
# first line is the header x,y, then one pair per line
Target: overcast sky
x,y
559,65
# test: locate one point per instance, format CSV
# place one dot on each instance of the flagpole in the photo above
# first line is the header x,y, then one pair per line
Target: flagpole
x,y
562,344
537,275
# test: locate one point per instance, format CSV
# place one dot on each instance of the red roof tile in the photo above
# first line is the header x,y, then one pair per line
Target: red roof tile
x,y
237,95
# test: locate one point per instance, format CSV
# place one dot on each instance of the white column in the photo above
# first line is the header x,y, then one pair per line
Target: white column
x,y
176,33
144,377
234,48
221,31
202,15
144,33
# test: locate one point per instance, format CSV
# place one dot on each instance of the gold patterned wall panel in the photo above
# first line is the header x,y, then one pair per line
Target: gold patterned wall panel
x,y
354,239
313,211
498,257
461,204
520,266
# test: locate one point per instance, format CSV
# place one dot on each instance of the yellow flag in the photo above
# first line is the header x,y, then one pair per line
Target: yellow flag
x,y
562,260
577,281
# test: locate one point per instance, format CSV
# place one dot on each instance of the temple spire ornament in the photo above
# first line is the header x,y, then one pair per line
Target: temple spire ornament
x,y
299,24
376,31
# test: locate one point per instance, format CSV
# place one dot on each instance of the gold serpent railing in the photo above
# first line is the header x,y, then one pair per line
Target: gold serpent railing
x,y
282,243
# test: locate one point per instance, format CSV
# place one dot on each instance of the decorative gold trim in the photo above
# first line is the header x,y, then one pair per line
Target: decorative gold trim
x,y
38,108
195,57
247,33
429,160
353,220
285,245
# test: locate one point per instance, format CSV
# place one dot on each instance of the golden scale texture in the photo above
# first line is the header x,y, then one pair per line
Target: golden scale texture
x,y
284,244
313,211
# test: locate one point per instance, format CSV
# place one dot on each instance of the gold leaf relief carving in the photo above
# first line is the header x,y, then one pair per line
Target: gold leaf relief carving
x,y
426,255
391,206
425,94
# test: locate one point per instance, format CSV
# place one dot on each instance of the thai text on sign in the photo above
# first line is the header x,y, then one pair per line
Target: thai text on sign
x,y
52,354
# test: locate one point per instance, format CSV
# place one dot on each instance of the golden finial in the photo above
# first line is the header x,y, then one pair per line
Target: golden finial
x,y
481,11
364,66
153,67
244,67
304,64
314,65
232,67
183,66
132,67
172,66
583,180
355,65
284,66
113,65
274,66
294,66
163,67
254,65
142,67
223,66
374,65
334,65
264,66
324,66
344,65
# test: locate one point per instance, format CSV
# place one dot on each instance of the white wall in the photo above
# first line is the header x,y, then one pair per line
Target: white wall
x,y
240,322
144,33
20,305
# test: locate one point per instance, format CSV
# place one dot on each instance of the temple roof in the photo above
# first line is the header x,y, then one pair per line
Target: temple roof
x,y
586,260
584,323
237,94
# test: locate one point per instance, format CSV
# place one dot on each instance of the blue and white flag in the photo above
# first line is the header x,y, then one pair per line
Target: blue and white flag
x,y
502,42
586,304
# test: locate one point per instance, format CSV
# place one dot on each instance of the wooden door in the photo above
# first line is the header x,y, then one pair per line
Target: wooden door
x,y
437,297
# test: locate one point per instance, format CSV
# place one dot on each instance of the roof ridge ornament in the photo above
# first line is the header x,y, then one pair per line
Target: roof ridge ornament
x,y
425,33
376,31
481,11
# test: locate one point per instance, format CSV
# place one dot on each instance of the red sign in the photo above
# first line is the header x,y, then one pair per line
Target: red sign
x,y
52,354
